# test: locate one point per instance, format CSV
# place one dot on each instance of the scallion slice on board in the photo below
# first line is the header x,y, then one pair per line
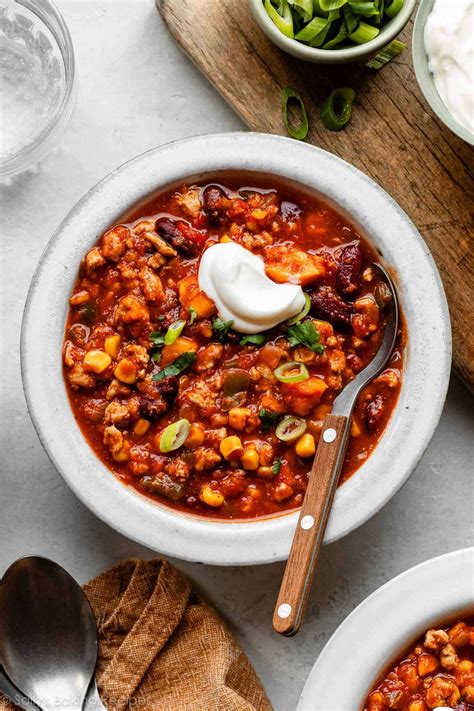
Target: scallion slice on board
x,y
336,111
301,130
386,55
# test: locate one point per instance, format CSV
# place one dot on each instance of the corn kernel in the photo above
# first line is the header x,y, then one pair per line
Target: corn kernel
x,y
112,345
195,437
231,447
238,417
355,428
259,214
141,427
123,454
211,497
265,472
250,459
80,297
305,446
225,238
97,361
126,371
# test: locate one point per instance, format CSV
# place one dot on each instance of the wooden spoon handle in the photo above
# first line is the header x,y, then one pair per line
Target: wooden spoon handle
x,y
309,534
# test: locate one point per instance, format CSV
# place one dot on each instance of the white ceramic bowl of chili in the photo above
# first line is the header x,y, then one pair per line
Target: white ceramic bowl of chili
x,y
427,358
385,626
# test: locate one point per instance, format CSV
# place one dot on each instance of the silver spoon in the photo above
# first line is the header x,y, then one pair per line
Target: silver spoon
x,y
14,695
322,484
48,635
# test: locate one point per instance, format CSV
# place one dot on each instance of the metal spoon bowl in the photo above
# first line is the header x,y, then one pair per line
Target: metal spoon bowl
x,y
48,635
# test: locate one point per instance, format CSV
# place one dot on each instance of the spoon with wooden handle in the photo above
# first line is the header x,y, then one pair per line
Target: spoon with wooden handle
x,y
322,484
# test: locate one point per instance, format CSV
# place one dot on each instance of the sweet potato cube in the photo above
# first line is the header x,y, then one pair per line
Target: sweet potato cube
x,y
284,263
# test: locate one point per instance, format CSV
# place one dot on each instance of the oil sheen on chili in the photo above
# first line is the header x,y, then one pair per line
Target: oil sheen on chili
x,y
182,406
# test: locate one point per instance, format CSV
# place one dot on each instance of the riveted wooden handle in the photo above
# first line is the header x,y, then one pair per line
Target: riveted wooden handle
x,y
309,534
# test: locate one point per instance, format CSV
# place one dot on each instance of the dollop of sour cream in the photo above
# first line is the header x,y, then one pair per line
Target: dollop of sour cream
x,y
449,44
235,280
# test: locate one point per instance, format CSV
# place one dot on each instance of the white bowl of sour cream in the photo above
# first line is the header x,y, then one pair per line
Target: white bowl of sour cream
x,y
443,55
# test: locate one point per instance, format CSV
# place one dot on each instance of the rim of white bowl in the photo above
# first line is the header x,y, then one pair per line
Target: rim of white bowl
x,y
332,56
401,616
427,366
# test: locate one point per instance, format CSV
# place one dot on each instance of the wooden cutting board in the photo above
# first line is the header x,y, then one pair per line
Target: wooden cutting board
x,y
393,136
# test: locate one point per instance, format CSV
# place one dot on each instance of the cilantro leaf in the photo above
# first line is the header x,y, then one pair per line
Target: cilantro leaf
x,y
157,338
269,419
177,366
192,315
255,339
276,466
306,335
221,328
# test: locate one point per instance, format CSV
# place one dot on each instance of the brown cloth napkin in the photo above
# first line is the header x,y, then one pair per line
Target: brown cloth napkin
x,y
161,648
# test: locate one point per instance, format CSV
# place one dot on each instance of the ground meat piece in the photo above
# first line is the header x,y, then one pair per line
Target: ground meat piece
x,y
116,413
79,378
179,469
117,389
156,261
190,202
436,639
201,395
94,410
374,413
72,354
442,692
161,246
163,485
131,309
328,305
113,242
448,657
350,260
113,439
94,259
337,361
170,231
139,356
151,285
205,458
208,357
281,491
459,634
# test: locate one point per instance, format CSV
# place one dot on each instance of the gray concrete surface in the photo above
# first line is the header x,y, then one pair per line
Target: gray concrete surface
x,y
137,90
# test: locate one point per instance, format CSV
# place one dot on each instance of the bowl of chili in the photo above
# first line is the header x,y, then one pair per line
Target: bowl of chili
x,y
172,426
419,654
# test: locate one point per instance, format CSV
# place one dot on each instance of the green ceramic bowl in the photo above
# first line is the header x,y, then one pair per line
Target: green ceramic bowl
x,y
425,77
332,56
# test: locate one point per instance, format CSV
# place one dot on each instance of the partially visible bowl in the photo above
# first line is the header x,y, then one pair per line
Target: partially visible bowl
x,y
425,77
384,626
371,210
331,56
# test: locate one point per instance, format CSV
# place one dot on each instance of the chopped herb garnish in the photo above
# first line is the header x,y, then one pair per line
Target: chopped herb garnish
x,y
177,366
192,315
276,466
386,55
305,334
157,338
269,419
256,339
301,128
156,357
221,328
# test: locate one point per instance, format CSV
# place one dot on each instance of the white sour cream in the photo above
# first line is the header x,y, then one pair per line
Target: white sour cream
x,y
449,44
235,280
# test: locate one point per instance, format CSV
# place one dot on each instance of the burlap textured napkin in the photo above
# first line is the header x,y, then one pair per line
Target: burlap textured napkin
x,y
161,648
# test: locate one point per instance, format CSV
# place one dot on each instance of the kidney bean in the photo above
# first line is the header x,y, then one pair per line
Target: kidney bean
x,y
153,407
170,231
215,203
374,413
350,260
329,306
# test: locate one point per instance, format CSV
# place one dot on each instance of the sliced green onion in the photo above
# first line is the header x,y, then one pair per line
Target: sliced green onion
x,y
364,33
299,132
328,5
291,372
276,466
386,55
364,7
304,311
174,435
303,8
255,339
394,8
281,16
336,111
173,332
313,29
340,37
290,429
192,315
